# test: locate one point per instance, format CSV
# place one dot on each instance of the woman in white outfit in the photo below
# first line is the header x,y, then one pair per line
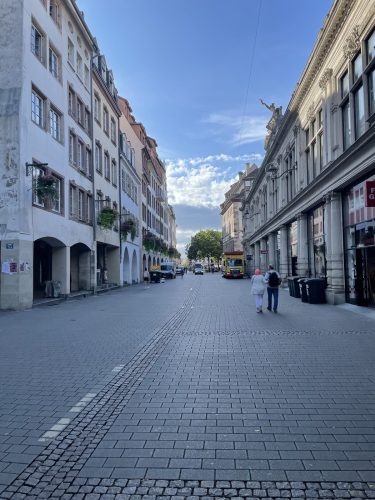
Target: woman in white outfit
x,y
258,287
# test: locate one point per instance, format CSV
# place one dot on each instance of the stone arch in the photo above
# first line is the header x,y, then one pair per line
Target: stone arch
x,y
126,268
134,269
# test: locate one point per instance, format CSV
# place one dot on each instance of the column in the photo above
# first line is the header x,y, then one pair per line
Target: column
x,y
335,271
283,251
61,268
257,255
263,254
16,284
272,249
302,247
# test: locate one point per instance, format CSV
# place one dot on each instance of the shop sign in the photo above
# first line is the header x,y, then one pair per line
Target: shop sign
x,y
370,194
264,251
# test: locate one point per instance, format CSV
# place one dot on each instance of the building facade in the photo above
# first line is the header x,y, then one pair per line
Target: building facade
x,y
43,236
310,211
106,113
63,201
231,210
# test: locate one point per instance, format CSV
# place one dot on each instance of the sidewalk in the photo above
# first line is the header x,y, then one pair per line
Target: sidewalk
x,y
223,402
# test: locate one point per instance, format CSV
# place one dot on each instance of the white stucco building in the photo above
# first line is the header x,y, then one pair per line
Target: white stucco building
x,y
45,121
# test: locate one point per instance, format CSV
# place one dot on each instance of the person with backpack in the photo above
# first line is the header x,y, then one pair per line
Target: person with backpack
x,y
258,287
273,281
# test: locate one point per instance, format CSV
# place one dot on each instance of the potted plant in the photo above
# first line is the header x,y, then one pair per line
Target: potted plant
x,y
107,217
46,189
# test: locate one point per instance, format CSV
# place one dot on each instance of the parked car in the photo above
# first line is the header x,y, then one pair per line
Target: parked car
x,y
198,268
179,271
168,270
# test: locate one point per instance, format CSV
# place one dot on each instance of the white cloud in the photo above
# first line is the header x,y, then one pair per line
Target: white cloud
x,y
200,181
240,130
201,186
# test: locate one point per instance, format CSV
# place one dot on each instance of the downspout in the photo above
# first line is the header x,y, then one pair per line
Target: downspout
x,y
94,281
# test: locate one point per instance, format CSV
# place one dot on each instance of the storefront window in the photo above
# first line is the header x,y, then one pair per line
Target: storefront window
x,y
359,239
293,242
317,244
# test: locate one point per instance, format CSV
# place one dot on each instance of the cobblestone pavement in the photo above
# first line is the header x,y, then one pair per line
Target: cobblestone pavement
x,y
183,391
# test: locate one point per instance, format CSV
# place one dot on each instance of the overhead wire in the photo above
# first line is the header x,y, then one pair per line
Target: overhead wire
x,y
250,71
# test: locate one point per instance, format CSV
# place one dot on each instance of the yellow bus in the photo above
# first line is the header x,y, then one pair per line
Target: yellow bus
x,y
233,265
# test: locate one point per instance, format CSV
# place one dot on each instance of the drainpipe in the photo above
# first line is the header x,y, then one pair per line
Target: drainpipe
x,y
93,211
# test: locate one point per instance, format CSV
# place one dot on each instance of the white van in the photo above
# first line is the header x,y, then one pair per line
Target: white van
x,y
198,268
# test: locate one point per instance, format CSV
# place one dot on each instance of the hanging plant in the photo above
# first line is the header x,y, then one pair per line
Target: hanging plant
x,y
107,217
45,188
133,232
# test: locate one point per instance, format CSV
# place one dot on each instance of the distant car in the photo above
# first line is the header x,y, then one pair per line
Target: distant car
x,y
198,269
179,271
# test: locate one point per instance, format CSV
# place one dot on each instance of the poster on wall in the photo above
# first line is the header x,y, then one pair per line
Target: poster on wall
x,y
370,194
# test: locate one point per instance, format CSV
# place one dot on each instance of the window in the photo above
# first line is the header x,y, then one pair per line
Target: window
x,y
371,84
113,131
105,120
37,172
72,202
56,205
97,108
37,42
80,112
359,112
37,108
370,45
98,158
357,67
54,11
79,66
81,214
71,52
54,63
345,85
86,79
107,168
87,124
71,102
114,172
88,162
346,125
80,155
55,124
72,148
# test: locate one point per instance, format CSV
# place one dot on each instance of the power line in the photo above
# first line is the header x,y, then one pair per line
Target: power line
x,y
250,70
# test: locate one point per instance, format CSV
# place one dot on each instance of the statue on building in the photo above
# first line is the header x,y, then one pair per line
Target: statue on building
x,y
273,124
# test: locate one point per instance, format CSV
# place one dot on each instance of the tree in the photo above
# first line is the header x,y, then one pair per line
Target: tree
x,y
205,243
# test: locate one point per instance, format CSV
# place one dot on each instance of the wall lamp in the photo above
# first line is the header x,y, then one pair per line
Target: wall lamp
x,y
271,169
30,166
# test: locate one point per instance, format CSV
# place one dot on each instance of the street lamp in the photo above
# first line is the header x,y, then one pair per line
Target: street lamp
x,y
272,169
30,166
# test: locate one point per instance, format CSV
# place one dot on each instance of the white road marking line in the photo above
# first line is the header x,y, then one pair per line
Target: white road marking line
x,y
118,368
63,422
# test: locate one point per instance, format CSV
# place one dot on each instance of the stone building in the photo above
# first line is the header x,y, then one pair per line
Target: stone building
x,y
231,210
311,209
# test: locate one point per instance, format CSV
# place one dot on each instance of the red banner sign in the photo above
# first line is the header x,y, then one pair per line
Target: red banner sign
x,y
370,194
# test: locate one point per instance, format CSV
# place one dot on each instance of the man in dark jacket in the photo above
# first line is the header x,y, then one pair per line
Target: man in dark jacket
x,y
273,281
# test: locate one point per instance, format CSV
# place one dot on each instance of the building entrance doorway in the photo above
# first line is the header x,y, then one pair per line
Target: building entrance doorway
x,y
365,283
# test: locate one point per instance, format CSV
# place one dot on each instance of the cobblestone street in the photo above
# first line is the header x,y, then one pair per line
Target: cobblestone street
x,y
183,391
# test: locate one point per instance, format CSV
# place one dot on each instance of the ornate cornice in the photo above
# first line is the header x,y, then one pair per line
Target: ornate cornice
x,y
353,42
325,78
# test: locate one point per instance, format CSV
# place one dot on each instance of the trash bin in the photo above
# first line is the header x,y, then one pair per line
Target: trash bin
x,y
155,276
315,289
302,289
291,286
296,286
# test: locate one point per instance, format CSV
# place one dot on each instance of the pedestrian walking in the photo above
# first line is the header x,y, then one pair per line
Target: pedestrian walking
x,y
273,281
146,277
258,287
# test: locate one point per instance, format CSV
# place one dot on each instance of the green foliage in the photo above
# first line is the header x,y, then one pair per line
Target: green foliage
x,y
107,217
45,187
205,243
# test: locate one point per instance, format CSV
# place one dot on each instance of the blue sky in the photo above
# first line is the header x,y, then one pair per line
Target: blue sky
x,y
193,72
